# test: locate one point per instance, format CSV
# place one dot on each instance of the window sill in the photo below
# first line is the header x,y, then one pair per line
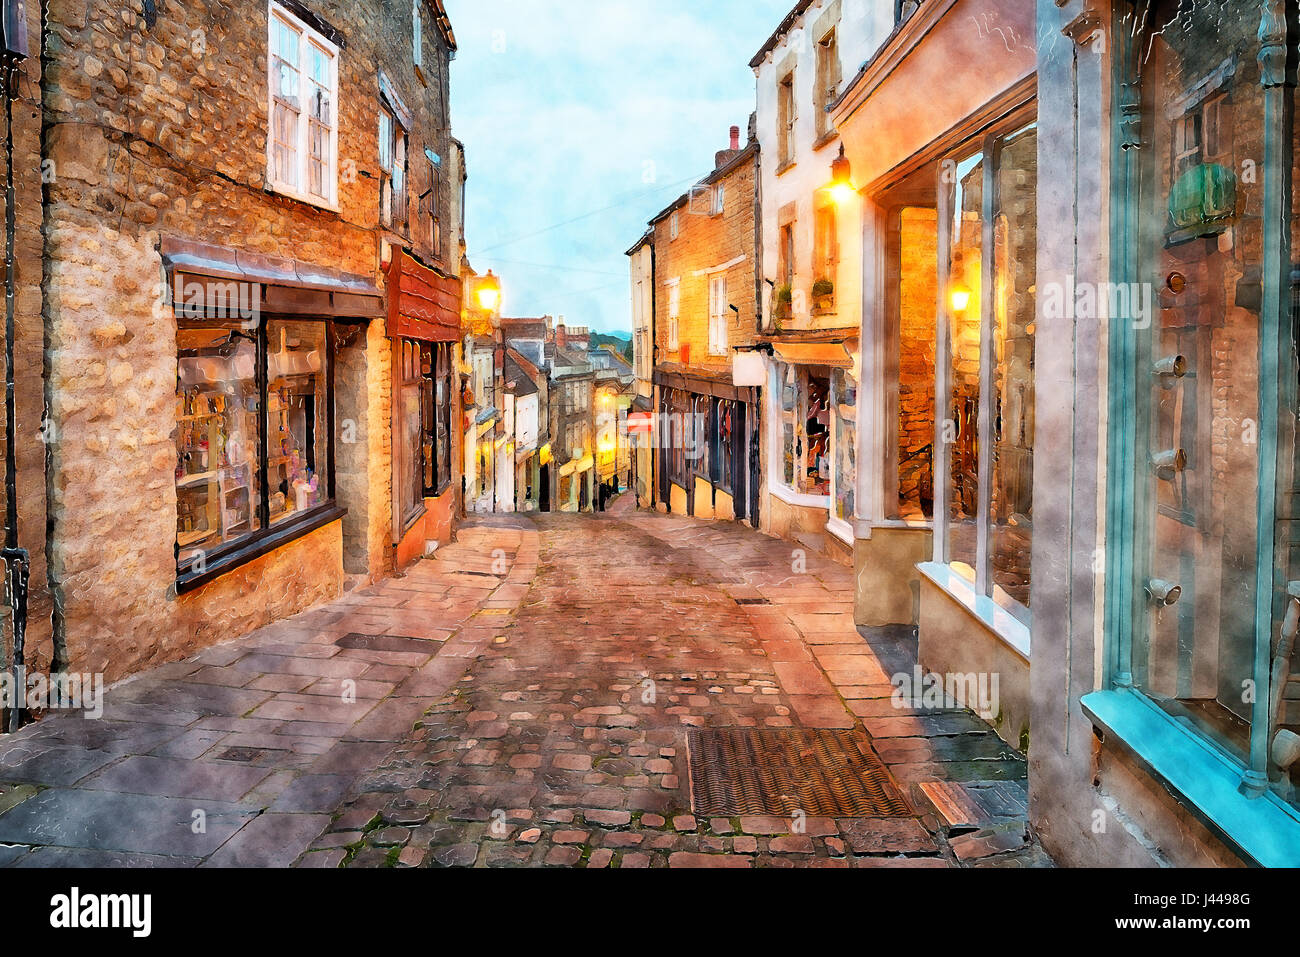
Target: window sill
x,y
785,167
827,138
791,497
1264,830
841,529
1005,626
310,200
277,537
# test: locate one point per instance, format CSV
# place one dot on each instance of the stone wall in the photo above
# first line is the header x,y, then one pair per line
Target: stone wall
x,y
29,344
162,130
704,242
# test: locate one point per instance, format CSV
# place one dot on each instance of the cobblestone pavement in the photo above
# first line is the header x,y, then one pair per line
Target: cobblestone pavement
x,y
547,752
238,756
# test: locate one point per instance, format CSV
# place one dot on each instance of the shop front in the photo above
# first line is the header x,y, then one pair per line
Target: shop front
x,y
943,528
424,332
1181,663
706,430
812,401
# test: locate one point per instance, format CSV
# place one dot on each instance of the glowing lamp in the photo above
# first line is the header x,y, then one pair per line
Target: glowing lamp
x,y
489,292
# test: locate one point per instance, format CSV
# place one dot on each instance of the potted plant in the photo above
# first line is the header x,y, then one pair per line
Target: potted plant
x,y
784,301
823,294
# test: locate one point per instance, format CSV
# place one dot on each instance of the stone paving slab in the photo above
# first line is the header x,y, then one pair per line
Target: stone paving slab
x,y
235,757
564,743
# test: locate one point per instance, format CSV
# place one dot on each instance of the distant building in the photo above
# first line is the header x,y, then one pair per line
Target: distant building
x,y
703,301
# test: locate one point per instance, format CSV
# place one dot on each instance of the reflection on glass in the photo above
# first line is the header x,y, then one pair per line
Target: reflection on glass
x,y
1201,234
297,417
1015,251
789,405
216,439
917,298
845,389
961,431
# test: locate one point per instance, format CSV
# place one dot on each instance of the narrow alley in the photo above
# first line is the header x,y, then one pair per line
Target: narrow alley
x,y
630,690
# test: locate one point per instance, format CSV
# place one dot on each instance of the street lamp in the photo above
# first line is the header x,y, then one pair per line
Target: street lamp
x,y
489,292
841,178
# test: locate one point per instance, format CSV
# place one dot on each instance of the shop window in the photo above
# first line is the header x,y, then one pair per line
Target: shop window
x,y
217,474
723,433
844,392
805,421
221,460
303,84
1202,226
917,243
297,421
436,366
410,454
986,529
696,428
392,170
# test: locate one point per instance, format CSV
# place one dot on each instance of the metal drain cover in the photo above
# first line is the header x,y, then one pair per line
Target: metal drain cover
x,y
421,646
822,773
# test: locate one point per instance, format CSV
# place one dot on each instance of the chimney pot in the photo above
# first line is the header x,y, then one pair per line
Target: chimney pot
x,y
735,137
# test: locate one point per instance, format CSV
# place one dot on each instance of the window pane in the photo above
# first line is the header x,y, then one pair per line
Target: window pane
x,y
1201,233
961,429
297,417
819,456
846,414
918,295
216,439
789,406
1016,258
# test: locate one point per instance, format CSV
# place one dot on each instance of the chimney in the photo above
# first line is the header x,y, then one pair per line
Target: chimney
x,y
561,338
723,157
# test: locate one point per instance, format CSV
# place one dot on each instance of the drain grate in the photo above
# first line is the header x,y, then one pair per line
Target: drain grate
x,y
821,772
420,646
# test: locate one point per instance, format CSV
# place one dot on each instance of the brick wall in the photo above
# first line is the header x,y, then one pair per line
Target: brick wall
x,y
705,241
163,130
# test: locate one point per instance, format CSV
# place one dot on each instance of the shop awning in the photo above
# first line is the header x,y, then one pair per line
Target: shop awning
x,y
203,278
422,302
832,354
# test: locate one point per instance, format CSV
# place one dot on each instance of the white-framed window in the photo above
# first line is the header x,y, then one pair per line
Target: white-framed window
x,y
392,170
674,307
674,225
719,199
302,80
417,33
718,310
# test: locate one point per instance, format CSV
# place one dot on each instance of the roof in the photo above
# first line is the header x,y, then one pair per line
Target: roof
x,y
750,151
781,31
519,380
646,237
521,327
443,22
622,359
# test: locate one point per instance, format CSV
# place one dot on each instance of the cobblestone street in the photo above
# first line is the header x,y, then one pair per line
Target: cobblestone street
x,y
551,671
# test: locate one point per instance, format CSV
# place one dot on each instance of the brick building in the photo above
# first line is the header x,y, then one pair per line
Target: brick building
x,y
251,241
705,306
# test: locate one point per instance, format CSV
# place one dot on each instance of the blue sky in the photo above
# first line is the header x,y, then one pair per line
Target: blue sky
x,y
580,121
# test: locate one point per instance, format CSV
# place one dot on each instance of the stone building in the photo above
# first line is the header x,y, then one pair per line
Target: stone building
x,y
572,389
641,424
250,305
705,306
1164,562
810,242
